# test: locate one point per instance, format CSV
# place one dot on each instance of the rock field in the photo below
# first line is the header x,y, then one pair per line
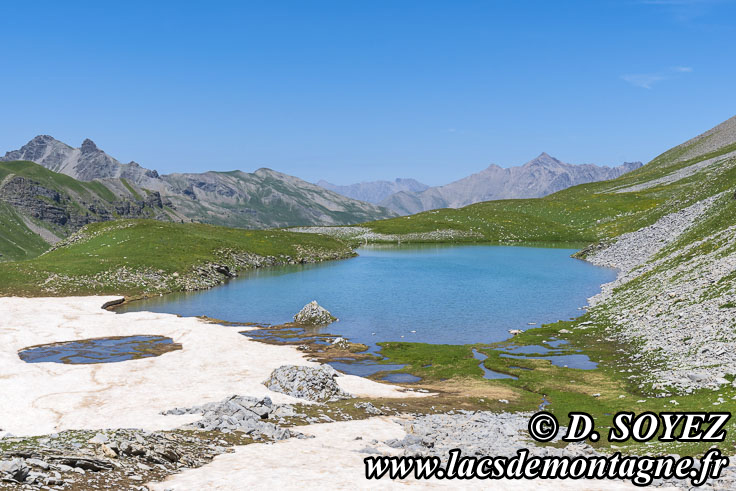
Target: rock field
x,y
673,312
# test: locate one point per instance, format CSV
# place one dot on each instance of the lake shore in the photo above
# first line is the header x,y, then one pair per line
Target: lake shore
x,y
215,362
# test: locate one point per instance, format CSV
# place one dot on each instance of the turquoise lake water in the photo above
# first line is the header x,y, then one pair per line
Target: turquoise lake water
x,y
441,295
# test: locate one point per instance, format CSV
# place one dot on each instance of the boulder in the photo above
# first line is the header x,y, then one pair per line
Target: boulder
x,y
15,470
697,377
368,407
314,314
239,413
98,439
311,383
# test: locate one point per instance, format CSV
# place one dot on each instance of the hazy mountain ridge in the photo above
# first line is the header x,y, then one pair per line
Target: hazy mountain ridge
x,y
264,198
375,191
539,177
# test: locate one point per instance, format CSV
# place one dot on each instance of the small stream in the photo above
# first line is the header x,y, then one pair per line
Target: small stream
x,y
489,374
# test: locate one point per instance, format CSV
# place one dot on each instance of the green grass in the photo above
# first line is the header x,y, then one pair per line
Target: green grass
x,y
434,362
54,180
149,245
600,392
17,242
130,189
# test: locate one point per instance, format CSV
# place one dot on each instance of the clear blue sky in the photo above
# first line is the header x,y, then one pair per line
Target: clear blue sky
x,y
360,90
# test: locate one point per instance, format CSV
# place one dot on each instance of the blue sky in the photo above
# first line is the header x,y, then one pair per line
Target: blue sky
x,y
361,90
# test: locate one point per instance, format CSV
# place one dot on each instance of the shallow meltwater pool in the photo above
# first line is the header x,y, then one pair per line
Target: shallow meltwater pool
x,y
99,350
579,361
430,294
550,353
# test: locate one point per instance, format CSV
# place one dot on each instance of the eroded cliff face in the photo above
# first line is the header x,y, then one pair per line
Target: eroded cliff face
x,y
68,212
34,200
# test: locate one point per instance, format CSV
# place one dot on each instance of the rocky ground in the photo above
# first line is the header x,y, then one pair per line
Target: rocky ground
x,y
673,302
722,160
201,277
247,415
365,234
107,459
128,458
482,433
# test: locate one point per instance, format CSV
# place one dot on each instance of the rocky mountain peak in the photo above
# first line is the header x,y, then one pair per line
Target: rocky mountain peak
x,y
36,148
539,177
266,172
88,146
544,159
41,139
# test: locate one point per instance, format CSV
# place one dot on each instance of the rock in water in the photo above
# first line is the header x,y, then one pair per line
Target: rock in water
x,y
313,314
312,383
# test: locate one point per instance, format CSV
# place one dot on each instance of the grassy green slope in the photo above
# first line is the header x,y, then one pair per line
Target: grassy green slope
x,y
16,240
54,180
585,213
134,257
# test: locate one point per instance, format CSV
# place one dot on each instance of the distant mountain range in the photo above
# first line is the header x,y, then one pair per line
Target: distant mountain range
x,y
375,191
70,187
264,198
48,189
539,177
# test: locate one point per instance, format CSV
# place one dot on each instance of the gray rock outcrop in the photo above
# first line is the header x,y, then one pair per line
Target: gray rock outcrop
x,y
315,315
311,383
669,312
246,414
14,470
67,208
501,434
